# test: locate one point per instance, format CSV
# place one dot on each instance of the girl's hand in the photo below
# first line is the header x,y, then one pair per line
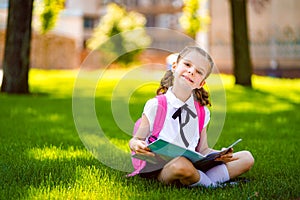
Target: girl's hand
x,y
228,157
140,147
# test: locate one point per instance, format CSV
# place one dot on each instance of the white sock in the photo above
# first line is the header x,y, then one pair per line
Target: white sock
x,y
218,174
204,181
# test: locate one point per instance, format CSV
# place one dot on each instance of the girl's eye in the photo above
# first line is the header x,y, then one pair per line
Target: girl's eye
x,y
199,72
187,64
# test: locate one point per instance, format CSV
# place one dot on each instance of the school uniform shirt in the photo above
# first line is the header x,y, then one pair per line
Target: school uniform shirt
x,y
171,129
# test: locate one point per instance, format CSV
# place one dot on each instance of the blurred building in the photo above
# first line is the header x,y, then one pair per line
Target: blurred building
x,y
158,13
274,30
274,34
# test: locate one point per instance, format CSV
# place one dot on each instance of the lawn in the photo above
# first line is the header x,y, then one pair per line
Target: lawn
x,y
48,151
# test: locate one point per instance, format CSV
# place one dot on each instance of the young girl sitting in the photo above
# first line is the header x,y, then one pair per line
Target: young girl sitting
x,y
182,85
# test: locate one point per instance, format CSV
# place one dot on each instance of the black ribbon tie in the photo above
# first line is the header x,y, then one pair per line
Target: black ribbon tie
x,y
186,121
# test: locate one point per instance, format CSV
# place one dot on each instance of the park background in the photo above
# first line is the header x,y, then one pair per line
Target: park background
x,y
274,33
42,156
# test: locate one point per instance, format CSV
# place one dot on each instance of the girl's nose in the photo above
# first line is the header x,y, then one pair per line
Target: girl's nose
x,y
191,70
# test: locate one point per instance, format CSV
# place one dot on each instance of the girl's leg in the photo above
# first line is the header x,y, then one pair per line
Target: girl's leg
x,y
180,169
183,170
244,161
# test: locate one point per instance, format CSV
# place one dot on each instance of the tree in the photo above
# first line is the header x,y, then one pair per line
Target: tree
x,y
242,61
16,62
17,47
191,21
48,12
120,34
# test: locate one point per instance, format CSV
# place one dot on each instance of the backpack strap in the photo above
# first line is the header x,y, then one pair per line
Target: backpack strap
x,y
160,117
201,117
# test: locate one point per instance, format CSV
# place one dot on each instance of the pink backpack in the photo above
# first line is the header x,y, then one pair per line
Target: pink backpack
x,y
159,121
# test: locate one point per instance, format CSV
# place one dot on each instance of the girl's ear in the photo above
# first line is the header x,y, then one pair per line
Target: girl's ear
x,y
174,66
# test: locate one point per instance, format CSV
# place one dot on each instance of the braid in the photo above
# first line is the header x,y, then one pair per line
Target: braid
x,y
202,96
165,83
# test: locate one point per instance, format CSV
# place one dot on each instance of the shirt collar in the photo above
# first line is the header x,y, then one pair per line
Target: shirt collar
x,y
177,103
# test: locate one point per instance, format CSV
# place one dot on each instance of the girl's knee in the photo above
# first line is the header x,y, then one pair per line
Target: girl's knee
x,y
181,167
248,159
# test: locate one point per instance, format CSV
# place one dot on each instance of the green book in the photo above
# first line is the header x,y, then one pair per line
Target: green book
x,y
167,151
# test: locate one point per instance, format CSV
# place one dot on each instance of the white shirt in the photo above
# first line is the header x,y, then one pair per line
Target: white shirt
x,y
171,129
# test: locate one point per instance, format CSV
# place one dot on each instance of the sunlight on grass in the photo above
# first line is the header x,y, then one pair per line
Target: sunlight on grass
x,y
85,177
54,117
55,82
274,108
51,80
115,83
287,89
148,90
270,104
53,153
122,144
276,94
228,80
91,183
284,88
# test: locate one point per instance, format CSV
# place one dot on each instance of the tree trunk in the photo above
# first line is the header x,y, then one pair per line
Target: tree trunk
x,y
17,47
242,62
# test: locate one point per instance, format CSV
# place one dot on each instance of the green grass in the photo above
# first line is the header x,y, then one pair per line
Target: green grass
x,y
42,156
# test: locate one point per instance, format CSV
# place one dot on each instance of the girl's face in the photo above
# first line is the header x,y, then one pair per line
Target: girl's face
x,y
191,70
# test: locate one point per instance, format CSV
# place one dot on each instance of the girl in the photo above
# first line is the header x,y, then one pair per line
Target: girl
x,y
182,85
